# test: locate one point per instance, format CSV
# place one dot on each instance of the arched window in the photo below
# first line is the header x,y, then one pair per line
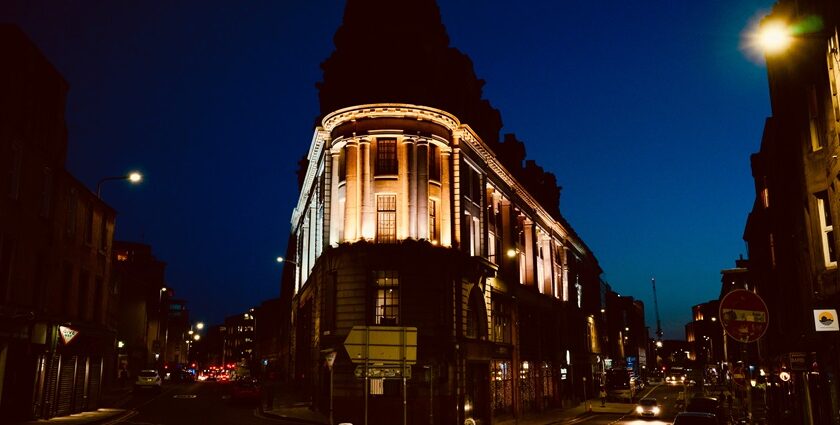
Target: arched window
x,y
476,315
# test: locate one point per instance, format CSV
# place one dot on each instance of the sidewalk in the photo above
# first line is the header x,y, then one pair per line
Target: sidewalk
x,y
283,401
100,417
286,404
564,416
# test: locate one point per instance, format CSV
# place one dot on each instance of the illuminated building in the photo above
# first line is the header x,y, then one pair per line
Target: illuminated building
x,y
413,213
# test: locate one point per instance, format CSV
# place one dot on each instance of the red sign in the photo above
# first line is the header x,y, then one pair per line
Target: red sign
x,y
744,315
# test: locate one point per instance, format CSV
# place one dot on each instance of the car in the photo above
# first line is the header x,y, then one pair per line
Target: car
x,y
648,408
245,390
703,404
148,380
695,418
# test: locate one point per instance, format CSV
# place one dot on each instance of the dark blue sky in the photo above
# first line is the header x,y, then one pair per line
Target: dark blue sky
x,y
647,112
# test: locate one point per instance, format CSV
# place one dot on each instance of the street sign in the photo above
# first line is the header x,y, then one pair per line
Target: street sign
x,y
826,320
67,333
383,371
382,344
784,376
330,359
744,315
739,374
798,362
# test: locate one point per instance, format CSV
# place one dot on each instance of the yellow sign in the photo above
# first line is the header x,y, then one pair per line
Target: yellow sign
x,y
826,320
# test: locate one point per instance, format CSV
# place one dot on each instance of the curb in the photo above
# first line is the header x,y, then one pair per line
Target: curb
x,y
261,412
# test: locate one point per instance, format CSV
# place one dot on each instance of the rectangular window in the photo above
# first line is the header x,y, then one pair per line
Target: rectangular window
x,y
83,295
89,223
813,119
433,236
46,192
386,218
15,169
387,297
97,301
386,157
103,233
827,229
434,163
7,255
501,321
501,386
72,204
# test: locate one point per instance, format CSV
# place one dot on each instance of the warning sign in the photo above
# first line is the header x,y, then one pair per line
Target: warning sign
x,y
67,334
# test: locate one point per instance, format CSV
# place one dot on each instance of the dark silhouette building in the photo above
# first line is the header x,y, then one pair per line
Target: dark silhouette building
x,y
143,306
57,303
789,232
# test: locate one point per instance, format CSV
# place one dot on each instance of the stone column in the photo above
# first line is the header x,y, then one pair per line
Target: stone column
x,y
351,189
545,243
368,221
530,255
333,205
411,157
445,210
423,189
403,150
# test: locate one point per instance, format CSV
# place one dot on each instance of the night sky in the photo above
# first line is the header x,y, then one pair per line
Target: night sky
x,y
646,112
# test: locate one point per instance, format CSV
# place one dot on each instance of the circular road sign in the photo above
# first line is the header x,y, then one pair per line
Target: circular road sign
x,y
743,315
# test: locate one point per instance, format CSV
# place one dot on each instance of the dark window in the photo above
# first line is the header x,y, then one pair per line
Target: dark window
x,y
46,193
501,321
7,254
434,163
89,223
386,157
103,233
342,165
97,301
15,162
386,218
67,289
72,204
432,220
83,294
387,297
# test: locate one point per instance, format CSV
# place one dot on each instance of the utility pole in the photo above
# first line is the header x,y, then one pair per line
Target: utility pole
x,y
656,309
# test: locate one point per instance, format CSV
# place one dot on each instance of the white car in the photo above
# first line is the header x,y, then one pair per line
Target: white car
x,y
148,380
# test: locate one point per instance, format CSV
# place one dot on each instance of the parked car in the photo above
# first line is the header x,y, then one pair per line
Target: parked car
x,y
245,390
648,408
148,380
695,418
703,404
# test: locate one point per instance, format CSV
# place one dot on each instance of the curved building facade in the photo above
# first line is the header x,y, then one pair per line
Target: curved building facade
x,y
407,218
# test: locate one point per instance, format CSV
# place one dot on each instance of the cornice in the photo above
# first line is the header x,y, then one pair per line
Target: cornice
x,y
319,139
390,110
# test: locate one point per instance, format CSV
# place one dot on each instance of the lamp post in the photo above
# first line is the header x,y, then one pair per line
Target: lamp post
x,y
133,177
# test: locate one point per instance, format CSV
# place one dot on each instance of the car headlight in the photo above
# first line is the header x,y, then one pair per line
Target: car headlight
x,y
639,409
656,410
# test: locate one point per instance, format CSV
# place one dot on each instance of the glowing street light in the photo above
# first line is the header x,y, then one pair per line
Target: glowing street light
x,y
199,325
196,337
133,177
774,37
283,260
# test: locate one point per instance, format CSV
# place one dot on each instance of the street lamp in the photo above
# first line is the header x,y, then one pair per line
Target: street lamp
x,y
774,37
133,177
283,260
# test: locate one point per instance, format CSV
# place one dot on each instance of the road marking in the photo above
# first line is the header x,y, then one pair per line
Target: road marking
x,y
184,396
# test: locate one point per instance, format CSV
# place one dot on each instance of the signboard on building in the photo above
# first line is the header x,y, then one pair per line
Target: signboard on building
x,y
744,315
825,320
798,362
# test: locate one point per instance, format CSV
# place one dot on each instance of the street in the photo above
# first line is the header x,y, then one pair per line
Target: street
x,y
665,394
191,403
